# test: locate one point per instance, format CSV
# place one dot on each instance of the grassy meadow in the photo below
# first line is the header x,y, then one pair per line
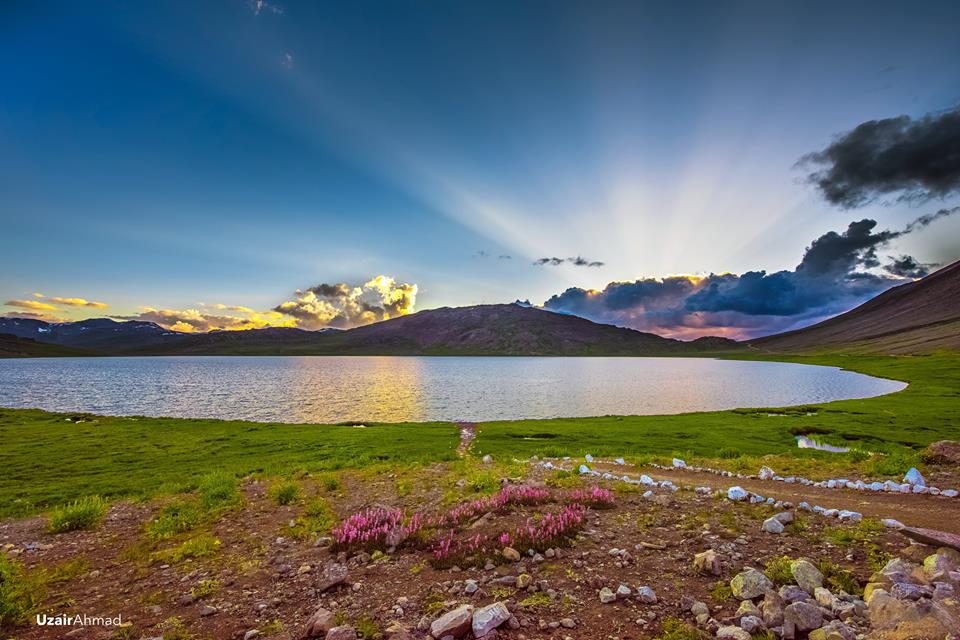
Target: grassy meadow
x,y
50,459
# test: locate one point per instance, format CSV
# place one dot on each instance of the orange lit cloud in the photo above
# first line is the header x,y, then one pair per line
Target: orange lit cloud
x,y
344,306
31,305
195,320
76,302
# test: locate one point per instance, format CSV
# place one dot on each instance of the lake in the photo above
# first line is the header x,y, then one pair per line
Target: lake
x,y
396,389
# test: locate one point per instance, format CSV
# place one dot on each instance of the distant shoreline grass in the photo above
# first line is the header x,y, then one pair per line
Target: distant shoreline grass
x,y
50,461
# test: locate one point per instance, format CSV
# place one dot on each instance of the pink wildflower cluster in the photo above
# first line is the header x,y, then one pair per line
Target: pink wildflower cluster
x,y
376,528
550,530
508,495
449,551
595,497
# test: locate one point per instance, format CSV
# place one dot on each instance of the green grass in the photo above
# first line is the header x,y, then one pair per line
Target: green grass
x,y
22,591
285,492
83,514
141,458
200,546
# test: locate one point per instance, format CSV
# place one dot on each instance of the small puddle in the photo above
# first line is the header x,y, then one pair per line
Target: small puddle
x,y
807,443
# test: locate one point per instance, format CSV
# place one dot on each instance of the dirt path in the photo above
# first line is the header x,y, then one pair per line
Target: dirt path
x,y
934,512
468,431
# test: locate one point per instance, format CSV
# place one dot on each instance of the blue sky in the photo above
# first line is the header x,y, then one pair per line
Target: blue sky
x,y
166,154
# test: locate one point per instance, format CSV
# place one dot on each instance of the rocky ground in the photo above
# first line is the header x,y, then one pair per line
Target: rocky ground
x,y
630,562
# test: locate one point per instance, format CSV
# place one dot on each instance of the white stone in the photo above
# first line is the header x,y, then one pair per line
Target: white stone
x,y
765,473
890,523
772,525
736,493
584,469
619,461
678,463
949,493
488,618
588,458
913,477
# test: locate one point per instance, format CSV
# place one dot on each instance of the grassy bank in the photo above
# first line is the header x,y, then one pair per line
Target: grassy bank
x,y
48,460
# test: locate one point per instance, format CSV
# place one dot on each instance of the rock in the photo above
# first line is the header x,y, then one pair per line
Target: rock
x,y
251,634
932,537
750,584
647,595
772,608
332,575
808,577
890,523
486,619
914,478
766,473
487,459
785,517
885,611
835,630
707,563
454,623
736,494
941,563
623,591
943,452
511,554
700,608
747,608
772,525
732,633
802,616
751,624
319,623
524,580
584,469
791,593
207,611
678,463
470,587
824,598
345,632
567,623
607,596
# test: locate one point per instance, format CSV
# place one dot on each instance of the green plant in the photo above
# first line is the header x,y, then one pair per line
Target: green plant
x,y
285,492
721,592
273,627
205,588
368,629
677,629
538,599
21,593
317,518
82,514
177,517
174,629
778,570
199,547
219,490
838,578
728,453
328,482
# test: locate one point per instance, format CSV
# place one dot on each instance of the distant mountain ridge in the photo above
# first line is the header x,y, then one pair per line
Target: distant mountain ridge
x,y
916,317
503,329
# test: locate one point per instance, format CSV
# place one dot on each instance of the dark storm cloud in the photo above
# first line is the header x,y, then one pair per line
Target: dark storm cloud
x,y
577,261
838,271
908,267
918,159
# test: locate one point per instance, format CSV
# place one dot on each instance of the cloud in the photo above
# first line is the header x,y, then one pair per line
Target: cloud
x,y
77,302
259,6
27,315
908,267
576,261
288,60
195,320
344,306
31,305
838,271
919,159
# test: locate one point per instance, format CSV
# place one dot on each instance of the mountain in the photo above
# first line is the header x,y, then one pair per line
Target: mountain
x,y
97,334
916,317
504,329
16,347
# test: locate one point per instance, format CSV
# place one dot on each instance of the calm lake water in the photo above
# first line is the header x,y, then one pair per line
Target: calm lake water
x,y
393,389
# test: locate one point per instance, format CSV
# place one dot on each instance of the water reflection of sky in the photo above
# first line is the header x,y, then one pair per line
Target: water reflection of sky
x,y
333,389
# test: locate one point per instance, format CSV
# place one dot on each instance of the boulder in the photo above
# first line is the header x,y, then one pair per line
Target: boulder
x,y
932,537
802,616
607,596
707,563
941,563
772,525
319,623
772,609
807,576
511,554
835,630
914,478
345,632
732,633
750,584
943,452
751,624
736,494
747,608
766,473
791,593
454,623
488,618
332,575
